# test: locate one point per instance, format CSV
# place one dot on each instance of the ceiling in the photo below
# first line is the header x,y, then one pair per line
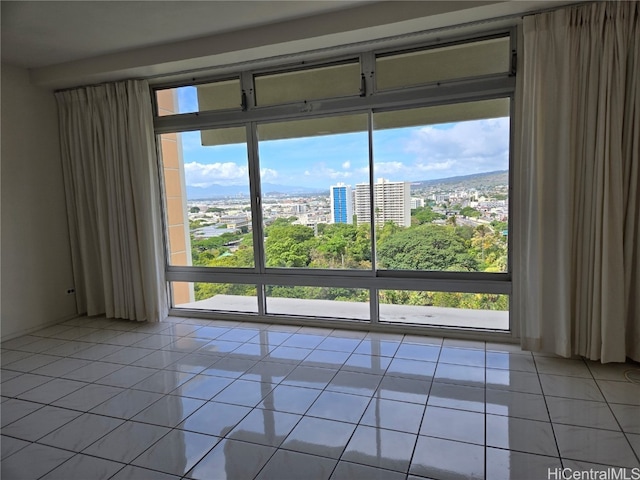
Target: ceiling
x,y
42,33
72,43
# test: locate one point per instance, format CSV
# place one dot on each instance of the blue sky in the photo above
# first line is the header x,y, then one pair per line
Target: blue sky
x,y
407,154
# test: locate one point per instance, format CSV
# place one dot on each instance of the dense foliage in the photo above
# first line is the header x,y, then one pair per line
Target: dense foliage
x,y
442,246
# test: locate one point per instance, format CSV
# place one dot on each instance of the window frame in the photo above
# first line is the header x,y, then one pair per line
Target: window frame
x,y
485,87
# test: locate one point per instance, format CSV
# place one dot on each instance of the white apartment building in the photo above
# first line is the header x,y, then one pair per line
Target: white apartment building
x,y
392,202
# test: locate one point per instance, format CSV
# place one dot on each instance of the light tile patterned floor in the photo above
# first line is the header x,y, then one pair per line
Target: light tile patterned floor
x,y
196,399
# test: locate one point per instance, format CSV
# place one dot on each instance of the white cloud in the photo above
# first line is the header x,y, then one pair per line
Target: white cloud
x,y
268,174
205,175
388,168
464,148
346,165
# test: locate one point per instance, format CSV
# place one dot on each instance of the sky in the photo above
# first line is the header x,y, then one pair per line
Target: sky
x,y
403,154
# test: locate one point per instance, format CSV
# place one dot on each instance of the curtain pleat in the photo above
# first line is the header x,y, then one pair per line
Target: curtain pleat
x,y
111,183
577,281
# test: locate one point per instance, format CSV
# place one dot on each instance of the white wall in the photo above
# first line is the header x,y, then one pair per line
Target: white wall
x,y
36,263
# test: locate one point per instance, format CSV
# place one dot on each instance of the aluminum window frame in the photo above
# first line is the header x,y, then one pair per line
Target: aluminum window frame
x,y
485,87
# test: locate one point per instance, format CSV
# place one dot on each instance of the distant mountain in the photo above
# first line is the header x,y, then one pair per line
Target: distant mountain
x,y
225,191
477,180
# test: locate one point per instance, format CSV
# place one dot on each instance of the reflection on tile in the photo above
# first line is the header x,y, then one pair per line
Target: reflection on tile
x,y
326,359
39,423
231,460
127,441
509,465
591,445
581,412
462,356
169,411
285,465
287,354
527,436
351,471
265,427
447,460
380,448
193,363
419,370
81,432
310,377
404,389
382,348
20,465
163,381
287,398
460,397
229,367
511,361
303,341
81,467
517,404
458,425
339,406
244,392
514,381
269,372
160,359
92,372
337,344
459,374
367,364
355,383
215,418
203,387
428,353
177,452
393,415
319,436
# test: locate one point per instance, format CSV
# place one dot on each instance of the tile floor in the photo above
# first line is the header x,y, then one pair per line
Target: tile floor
x,y
207,400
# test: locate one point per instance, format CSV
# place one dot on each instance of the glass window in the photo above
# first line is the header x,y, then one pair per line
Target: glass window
x,y
308,168
224,95
441,195
446,309
452,62
331,302
206,191
309,84
226,297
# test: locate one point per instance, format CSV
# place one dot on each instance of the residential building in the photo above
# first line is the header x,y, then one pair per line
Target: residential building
x,y
392,202
341,200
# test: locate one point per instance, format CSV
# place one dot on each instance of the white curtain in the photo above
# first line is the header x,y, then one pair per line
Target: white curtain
x,y
577,274
111,183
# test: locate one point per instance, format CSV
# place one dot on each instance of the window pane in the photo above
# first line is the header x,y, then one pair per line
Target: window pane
x,y
450,309
448,166
302,163
223,95
331,302
227,297
311,84
206,186
446,63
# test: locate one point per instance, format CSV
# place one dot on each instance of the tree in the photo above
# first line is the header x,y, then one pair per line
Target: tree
x,y
288,245
427,247
422,215
194,210
470,212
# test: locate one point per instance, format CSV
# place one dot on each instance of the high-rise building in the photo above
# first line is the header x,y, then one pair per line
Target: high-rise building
x,y
341,203
392,202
